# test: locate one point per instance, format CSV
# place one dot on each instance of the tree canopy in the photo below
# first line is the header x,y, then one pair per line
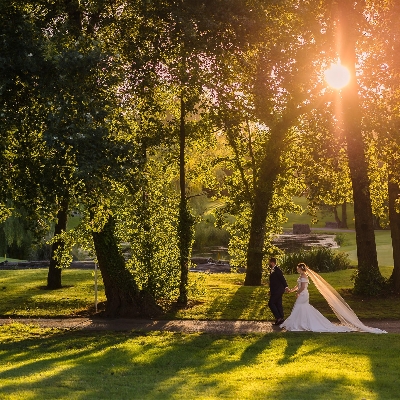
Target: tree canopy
x,y
123,111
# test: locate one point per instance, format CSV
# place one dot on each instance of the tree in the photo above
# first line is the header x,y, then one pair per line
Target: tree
x,y
368,279
191,37
23,150
383,115
268,91
85,139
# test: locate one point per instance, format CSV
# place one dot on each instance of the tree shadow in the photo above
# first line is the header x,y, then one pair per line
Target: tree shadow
x,y
157,365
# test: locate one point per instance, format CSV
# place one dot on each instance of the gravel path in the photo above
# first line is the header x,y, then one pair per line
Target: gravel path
x,y
187,326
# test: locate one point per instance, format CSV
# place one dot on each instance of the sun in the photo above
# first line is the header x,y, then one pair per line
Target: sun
x,y
337,76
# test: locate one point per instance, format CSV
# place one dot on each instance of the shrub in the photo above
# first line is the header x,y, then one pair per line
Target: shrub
x,y
340,239
319,259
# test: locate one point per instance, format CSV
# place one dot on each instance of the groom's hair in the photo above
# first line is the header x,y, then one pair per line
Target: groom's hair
x,y
273,259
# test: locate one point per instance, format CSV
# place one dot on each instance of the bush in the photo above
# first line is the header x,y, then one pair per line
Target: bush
x,y
319,259
340,239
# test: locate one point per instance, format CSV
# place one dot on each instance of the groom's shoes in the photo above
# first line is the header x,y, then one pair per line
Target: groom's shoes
x,y
278,321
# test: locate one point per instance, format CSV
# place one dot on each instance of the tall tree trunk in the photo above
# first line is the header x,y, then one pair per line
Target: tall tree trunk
x,y
124,299
344,216
54,273
369,279
394,218
186,221
263,193
269,169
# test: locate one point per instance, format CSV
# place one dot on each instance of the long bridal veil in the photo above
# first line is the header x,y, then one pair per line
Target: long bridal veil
x,y
342,310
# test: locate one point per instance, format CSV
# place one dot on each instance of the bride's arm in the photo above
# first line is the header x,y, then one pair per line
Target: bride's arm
x,y
301,288
294,289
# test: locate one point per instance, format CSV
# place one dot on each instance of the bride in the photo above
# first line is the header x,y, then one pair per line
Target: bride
x,y
305,317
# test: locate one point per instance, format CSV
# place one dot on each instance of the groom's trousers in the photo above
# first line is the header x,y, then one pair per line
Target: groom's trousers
x,y
275,305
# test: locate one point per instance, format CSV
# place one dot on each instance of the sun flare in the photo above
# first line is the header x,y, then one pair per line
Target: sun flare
x,y
337,76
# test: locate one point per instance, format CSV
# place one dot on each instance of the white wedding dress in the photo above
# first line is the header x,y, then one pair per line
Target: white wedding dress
x,y
305,317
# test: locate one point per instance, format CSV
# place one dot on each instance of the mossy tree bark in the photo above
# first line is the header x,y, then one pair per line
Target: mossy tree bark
x,y
270,167
124,299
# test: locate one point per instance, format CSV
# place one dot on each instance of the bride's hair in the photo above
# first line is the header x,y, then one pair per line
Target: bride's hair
x,y
302,266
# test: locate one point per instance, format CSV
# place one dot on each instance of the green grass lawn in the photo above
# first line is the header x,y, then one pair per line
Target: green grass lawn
x,y
38,364
53,364
322,217
50,364
23,293
223,296
9,259
383,247
382,237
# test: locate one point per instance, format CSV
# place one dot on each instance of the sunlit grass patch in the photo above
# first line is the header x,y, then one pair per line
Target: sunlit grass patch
x,y
47,364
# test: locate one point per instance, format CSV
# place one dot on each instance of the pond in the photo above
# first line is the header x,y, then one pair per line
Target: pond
x,y
291,242
288,242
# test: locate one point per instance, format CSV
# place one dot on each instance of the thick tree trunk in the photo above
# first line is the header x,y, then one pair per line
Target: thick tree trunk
x,y
270,168
54,273
394,218
369,278
263,193
124,299
262,202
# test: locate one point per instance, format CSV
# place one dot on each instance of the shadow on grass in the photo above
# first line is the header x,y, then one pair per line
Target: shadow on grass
x,y
168,365
25,295
247,302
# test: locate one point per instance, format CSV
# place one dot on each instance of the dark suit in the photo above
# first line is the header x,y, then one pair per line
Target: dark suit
x,y
277,285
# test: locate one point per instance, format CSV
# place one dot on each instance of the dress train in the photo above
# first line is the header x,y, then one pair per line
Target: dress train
x,y
305,317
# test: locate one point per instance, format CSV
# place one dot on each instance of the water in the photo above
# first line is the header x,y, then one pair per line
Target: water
x,y
288,242
291,242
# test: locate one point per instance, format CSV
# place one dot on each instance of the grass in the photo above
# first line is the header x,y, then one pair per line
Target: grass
x,y
322,217
23,293
41,364
45,364
383,247
50,364
224,297
9,259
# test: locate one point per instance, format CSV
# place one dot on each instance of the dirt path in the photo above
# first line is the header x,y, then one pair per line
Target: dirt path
x,y
187,326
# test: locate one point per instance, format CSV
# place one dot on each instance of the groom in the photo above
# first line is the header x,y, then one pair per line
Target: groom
x,y
277,287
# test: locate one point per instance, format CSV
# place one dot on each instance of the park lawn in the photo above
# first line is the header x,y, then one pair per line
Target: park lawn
x,y
219,297
226,298
322,217
52,364
9,259
23,293
383,247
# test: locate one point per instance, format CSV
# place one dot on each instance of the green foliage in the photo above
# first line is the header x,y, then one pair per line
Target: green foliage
x,y
319,259
14,239
368,282
207,235
340,239
148,221
208,232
